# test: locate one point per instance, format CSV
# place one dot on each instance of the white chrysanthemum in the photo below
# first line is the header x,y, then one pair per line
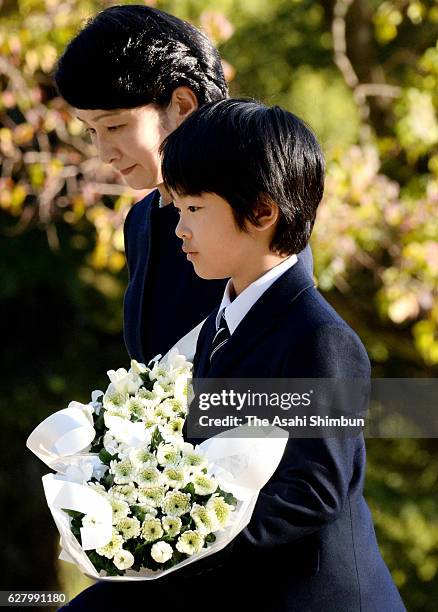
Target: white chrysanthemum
x,y
161,552
124,430
174,366
114,545
175,407
176,503
123,471
126,492
183,388
123,559
204,485
158,371
163,388
205,519
222,511
151,529
150,399
190,542
147,476
173,429
123,381
142,457
174,477
137,367
110,444
167,454
193,461
150,420
114,403
113,422
175,360
163,411
149,511
172,525
136,407
153,496
120,509
129,527
98,488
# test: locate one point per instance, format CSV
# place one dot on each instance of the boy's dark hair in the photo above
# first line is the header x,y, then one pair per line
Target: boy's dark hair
x,y
133,55
250,154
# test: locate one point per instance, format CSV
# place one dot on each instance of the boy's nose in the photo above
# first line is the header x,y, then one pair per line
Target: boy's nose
x,y
181,230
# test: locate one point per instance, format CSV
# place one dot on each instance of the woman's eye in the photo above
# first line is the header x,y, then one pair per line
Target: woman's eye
x,y
112,128
193,208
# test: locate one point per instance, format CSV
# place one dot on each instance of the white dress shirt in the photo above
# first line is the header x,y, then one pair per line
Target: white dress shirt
x,y
236,309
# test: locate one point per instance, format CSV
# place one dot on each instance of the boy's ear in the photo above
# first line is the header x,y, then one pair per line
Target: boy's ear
x,y
182,103
266,214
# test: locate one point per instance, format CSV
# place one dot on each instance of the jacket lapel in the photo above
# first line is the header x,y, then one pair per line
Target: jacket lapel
x,y
202,357
255,325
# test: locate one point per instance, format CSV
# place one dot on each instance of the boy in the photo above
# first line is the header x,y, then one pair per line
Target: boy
x,y
133,74
246,181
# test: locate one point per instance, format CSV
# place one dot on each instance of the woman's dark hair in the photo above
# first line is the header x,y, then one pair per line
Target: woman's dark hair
x,y
249,154
128,56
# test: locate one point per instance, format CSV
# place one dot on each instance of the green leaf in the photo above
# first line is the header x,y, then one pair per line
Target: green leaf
x,y
73,513
106,457
228,497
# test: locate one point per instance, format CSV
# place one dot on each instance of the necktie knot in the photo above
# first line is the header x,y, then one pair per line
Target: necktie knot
x,y
221,337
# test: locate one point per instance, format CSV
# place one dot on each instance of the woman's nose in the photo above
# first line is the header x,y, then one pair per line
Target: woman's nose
x,y
107,152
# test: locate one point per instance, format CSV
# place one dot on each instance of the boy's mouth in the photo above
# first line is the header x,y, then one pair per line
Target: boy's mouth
x,y
189,253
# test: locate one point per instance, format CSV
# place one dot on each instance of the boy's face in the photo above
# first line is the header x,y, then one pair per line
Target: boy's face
x,y
211,238
129,140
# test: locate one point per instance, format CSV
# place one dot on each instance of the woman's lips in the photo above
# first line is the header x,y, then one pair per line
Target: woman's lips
x,y
128,170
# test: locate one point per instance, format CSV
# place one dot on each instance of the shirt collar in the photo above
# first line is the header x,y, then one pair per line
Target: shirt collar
x,y
235,310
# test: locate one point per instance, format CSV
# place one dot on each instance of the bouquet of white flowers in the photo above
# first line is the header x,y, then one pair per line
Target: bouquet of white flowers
x,y
131,498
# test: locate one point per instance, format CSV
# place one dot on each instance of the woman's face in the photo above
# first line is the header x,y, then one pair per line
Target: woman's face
x,y
129,140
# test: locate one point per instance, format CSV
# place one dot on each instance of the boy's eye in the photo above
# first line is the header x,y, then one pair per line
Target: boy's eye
x,y
191,209
89,131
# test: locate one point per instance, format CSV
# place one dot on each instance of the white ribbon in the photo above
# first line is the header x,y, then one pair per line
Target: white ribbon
x,y
60,494
62,434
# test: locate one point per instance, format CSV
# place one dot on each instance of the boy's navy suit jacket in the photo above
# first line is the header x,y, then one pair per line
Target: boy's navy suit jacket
x,y
310,544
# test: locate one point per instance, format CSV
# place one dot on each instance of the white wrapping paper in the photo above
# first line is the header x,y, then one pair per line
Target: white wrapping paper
x,y
242,466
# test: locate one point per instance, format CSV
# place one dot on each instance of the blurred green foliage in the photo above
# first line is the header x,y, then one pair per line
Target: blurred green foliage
x,y
364,75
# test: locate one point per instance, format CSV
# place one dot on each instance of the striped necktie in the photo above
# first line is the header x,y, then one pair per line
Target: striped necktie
x,y
221,338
